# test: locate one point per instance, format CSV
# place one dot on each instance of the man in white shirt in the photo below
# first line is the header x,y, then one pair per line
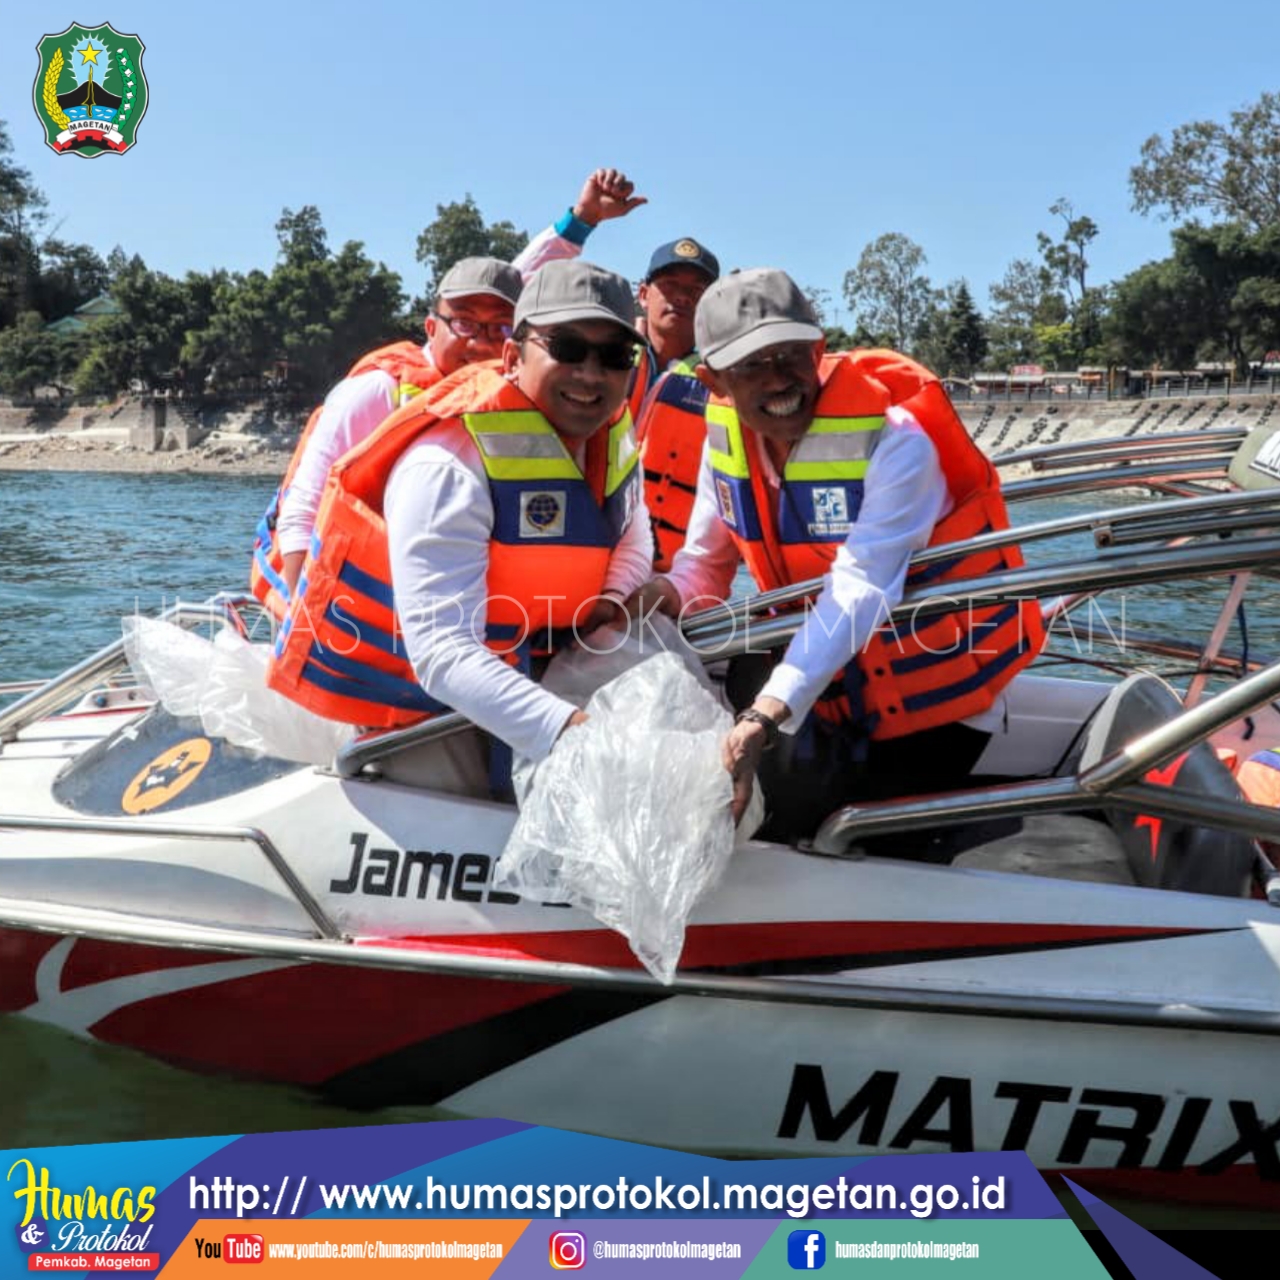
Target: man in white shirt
x,y
470,321
815,467
470,546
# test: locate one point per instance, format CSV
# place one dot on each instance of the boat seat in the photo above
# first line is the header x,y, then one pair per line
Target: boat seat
x,y
1166,853
1063,846
455,765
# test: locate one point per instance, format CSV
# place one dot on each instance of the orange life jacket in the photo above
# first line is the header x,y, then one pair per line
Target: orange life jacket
x,y
642,378
340,651
944,668
671,432
414,373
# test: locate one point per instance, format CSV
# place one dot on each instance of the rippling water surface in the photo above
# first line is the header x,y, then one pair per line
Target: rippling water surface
x,y
80,551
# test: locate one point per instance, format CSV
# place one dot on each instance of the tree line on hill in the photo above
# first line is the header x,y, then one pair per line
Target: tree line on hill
x,y
1216,297
296,328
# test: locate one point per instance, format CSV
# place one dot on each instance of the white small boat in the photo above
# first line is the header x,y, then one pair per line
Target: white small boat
x,y
1095,978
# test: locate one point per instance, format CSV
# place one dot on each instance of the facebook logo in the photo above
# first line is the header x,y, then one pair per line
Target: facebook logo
x,y
806,1250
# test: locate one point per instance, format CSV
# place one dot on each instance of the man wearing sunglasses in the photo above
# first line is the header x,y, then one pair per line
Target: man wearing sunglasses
x,y
840,468
469,322
519,517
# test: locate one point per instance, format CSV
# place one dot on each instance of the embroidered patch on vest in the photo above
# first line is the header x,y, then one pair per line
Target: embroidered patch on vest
x,y
541,514
1267,459
831,512
724,495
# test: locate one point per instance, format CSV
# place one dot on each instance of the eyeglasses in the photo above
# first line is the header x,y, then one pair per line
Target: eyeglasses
x,y
784,358
566,347
466,329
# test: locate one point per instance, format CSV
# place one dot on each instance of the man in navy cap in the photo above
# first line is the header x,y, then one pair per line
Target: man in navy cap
x,y
679,274
666,397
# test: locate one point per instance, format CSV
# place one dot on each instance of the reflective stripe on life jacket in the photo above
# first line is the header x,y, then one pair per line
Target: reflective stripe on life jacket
x,y
340,651
941,669
413,374
671,432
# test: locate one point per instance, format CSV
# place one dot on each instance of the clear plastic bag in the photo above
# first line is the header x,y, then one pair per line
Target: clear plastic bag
x,y
222,682
577,673
628,818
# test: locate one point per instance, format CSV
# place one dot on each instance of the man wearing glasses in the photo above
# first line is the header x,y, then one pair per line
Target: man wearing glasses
x,y
498,514
841,468
470,321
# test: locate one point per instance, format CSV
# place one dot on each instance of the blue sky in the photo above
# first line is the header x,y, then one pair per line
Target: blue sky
x,y
783,134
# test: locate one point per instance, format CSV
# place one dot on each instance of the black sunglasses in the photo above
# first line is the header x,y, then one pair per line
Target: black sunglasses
x,y
566,347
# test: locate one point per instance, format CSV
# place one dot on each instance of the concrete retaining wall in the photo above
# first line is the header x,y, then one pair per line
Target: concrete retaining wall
x,y
1001,426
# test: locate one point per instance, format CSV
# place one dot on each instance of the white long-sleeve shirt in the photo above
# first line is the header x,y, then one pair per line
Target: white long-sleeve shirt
x,y
904,496
440,517
357,406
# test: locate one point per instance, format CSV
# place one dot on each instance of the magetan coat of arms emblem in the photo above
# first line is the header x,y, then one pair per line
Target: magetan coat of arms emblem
x,y
90,93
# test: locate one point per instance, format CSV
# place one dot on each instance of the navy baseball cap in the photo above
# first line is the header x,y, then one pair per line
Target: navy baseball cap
x,y
685,252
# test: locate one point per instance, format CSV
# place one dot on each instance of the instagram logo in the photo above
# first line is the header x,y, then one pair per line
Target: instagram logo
x,y
568,1250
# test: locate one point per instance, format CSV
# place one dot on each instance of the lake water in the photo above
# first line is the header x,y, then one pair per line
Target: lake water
x,y
80,551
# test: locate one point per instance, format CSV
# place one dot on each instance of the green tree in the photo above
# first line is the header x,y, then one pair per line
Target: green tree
x,y
1065,259
1231,170
144,342
23,210
887,291
837,336
313,315
459,231
1056,345
29,356
331,312
302,236
930,336
1156,317
1024,298
70,274
964,334
1217,297
1067,266
239,337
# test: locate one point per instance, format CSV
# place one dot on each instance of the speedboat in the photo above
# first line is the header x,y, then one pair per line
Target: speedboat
x,y
1089,969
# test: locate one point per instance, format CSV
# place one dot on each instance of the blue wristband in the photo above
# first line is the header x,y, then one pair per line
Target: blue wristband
x,y
573,229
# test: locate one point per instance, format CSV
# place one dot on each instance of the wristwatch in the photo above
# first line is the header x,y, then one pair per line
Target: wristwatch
x,y
768,723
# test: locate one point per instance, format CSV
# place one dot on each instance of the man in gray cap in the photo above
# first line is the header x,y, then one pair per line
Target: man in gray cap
x,y
516,510
469,322
841,467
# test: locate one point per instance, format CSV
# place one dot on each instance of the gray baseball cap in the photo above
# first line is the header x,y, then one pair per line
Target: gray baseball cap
x,y
746,311
570,289
469,276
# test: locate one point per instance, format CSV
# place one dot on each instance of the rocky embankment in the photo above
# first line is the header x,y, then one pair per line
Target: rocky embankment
x,y
256,441
132,436
1004,426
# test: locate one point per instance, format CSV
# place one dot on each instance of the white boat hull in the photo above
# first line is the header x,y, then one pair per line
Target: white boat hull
x,y
825,1006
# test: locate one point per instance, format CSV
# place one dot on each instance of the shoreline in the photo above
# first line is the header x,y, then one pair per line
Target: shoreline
x,y
243,457
254,443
